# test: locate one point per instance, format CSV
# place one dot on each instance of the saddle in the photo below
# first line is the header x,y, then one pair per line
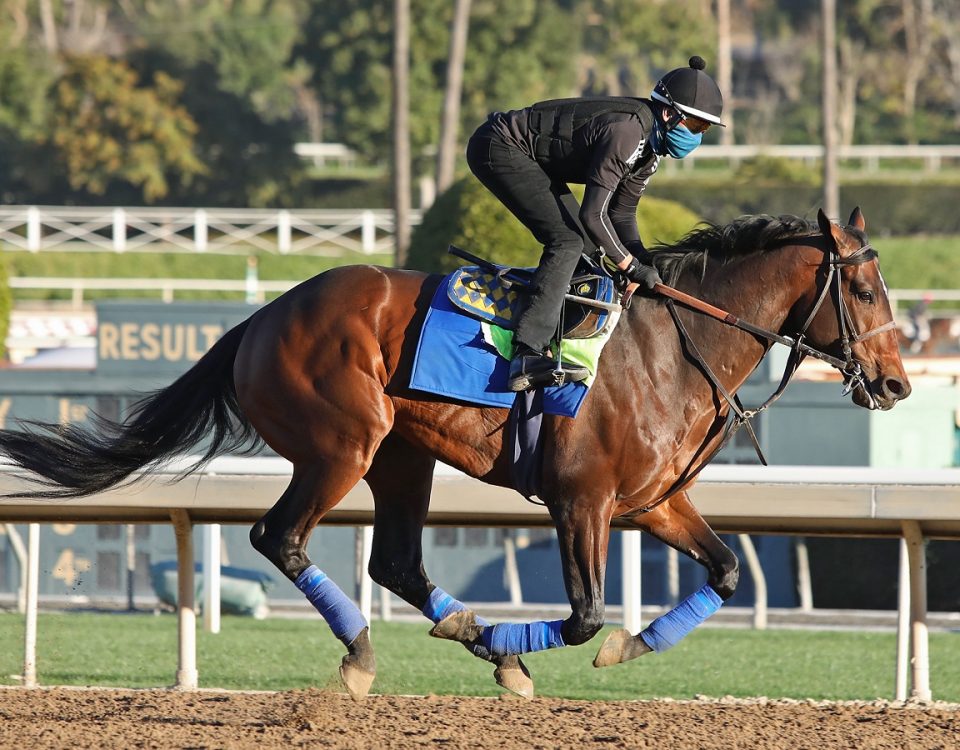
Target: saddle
x,y
498,294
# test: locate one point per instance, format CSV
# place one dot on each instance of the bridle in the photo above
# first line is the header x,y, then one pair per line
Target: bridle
x,y
849,366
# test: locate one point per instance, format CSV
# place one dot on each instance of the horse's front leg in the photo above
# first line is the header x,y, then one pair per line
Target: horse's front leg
x,y
583,530
678,524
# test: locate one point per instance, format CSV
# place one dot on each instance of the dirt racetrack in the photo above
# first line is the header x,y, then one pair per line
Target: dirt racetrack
x,y
123,719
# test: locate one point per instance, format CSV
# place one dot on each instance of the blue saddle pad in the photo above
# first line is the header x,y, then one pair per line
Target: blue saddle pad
x,y
454,360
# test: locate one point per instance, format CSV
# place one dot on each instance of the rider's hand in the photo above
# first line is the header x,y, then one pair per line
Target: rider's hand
x,y
644,276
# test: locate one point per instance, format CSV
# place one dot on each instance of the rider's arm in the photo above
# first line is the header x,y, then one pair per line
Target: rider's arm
x,y
631,258
623,208
608,213
598,225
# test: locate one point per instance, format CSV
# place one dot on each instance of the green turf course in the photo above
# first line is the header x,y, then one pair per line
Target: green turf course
x,y
917,262
140,650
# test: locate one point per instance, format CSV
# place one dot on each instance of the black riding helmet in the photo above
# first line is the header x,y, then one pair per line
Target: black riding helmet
x,y
691,91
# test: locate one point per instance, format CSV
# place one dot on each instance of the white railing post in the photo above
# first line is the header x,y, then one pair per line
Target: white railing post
x,y
34,233
200,230
630,555
20,552
30,627
187,677
284,231
211,577
511,571
76,294
673,576
916,550
366,582
759,581
119,230
901,679
804,585
368,232
252,281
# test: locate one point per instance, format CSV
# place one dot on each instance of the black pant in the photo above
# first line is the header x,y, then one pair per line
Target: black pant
x,y
549,210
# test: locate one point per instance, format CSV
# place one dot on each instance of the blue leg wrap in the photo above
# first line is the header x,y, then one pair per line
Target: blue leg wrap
x,y
507,639
337,608
668,629
441,605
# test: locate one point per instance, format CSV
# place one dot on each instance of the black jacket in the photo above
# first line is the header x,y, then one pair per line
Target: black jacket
x,y
609,152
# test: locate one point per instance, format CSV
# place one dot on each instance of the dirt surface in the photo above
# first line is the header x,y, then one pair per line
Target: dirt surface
x,y
76,718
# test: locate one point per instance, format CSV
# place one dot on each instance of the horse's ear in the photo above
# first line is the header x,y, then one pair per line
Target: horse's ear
x,y
833,232
856,219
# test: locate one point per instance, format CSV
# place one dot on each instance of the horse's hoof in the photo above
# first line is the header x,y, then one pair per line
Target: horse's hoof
x,y
460,626
620,646
511,674
357,681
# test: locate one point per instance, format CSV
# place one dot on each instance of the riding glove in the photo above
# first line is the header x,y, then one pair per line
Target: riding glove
x,y
644,275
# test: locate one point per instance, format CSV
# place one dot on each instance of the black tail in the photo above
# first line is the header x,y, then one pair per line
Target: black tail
x,y
200,406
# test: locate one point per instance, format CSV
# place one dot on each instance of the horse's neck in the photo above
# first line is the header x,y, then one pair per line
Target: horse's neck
x,y
761,289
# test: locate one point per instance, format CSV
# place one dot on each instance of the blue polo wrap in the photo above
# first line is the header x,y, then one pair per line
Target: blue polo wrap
x,y
341,614
440,605
667,630
506,639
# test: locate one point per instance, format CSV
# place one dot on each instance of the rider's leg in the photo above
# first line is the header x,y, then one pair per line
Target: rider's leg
x,y
542,206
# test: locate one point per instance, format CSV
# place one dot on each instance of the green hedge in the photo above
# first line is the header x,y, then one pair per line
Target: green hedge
x,y
469,216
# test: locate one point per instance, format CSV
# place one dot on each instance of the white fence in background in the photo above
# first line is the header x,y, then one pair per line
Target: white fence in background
x,y
253,289
198,230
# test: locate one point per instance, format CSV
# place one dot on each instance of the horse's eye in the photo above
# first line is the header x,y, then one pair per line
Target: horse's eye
x,y
865,296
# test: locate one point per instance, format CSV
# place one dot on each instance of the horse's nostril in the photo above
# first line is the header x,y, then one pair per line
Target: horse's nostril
x,y
895,388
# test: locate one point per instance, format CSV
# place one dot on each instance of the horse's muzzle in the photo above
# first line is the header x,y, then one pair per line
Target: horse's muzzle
x,y
881,393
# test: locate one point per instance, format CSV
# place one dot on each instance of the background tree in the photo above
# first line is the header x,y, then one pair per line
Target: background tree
x,y
450,113
241,87
516,54
104,128
627,45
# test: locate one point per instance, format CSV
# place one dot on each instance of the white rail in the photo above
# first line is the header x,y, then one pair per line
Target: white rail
x,y
198,230
870,156
254,289
910,505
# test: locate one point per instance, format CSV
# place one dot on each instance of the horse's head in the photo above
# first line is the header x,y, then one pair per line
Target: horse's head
x,y
855,323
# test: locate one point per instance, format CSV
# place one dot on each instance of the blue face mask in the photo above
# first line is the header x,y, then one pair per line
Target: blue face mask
x,y
677,142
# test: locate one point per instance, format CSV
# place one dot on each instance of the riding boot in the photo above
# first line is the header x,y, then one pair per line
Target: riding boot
x,y
532,369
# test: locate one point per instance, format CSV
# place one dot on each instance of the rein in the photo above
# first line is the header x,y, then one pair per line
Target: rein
x,y
799,349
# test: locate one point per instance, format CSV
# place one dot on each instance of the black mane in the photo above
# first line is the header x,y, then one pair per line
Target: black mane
x,y
741,237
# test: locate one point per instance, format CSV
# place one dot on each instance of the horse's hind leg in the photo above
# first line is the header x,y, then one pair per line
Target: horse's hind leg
x,y
282,535
400,478
679,524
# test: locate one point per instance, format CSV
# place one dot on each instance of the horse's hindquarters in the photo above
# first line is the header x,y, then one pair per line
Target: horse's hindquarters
x,y
313,367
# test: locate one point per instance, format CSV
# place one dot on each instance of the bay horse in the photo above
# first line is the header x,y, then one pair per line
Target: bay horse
x,y
321,376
